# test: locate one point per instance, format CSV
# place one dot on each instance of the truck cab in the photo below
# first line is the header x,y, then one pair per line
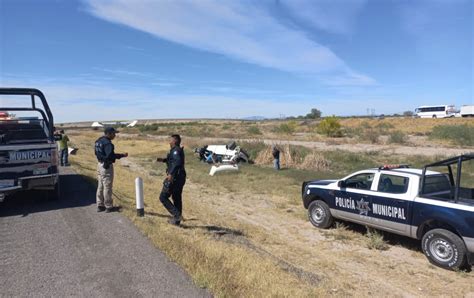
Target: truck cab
x,y
28,149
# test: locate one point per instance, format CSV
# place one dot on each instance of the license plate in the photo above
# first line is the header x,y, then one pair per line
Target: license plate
x,y
7,183
40,171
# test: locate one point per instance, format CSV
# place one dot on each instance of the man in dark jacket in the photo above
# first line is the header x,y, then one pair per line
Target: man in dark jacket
x,y
276,157
104,151
175,180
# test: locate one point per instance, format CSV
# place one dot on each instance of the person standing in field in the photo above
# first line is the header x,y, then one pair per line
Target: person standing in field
x,y
276,157
63,149
106,157
175,179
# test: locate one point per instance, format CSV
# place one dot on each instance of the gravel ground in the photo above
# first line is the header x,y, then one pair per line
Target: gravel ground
x,y
66,248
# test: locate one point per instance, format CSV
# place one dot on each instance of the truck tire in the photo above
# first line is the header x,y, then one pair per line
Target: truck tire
x,y
443,248
320,215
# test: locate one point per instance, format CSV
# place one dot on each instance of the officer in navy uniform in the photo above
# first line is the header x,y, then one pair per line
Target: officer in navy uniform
x,y
106,156
174,181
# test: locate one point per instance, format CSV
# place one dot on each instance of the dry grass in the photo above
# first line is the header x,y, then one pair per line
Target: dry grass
x,y
413,126
247,234
218,255
294,157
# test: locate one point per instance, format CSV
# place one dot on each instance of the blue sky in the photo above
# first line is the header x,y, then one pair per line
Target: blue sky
x,y
127,59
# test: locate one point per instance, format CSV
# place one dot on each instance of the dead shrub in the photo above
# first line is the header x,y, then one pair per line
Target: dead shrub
x,y
375,240
293,157
315,161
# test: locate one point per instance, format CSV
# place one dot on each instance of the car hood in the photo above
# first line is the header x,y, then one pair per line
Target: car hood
x,y
322,182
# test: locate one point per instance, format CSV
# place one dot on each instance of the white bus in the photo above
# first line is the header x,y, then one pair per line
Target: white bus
x,y
441,111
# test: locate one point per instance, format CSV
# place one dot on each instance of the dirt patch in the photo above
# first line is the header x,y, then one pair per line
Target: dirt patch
x,y
421,147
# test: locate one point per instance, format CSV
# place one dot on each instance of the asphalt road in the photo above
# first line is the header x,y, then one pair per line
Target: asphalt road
x,y
66,248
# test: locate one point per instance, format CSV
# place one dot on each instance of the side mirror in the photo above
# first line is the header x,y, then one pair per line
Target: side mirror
x,y
341,184
58,137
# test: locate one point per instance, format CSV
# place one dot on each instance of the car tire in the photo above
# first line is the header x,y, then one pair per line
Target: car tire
x,y
320,215
443,248
245,156
434,117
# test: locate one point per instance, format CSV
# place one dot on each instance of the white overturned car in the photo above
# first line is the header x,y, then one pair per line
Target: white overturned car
x,y
227,154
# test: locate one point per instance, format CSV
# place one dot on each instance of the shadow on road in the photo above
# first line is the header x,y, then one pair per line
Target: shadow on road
x,y
76,191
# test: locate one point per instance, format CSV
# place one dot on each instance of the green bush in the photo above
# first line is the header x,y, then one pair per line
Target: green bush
x,y
457,134
384,127
288,128
330,127
254,130
397,137
148,128
253,148
365,134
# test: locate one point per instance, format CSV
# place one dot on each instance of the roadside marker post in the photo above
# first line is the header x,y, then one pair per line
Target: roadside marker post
x,y
139,196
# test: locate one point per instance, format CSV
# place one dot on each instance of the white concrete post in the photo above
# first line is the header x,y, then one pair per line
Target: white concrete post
x,y
139,196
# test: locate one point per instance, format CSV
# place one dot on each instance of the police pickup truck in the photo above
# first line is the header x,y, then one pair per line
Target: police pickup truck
x,y
436,207
28,151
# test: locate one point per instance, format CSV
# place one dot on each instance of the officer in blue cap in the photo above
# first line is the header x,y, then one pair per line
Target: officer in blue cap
x,y
106,157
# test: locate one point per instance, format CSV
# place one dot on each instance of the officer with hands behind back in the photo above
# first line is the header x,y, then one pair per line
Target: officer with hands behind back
x,y
175,179
104,151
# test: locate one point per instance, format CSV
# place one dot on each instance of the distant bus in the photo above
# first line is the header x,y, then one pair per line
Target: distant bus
x,y
441,111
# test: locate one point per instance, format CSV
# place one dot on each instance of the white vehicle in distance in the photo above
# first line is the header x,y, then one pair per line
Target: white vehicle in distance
x,y
440,111
467,111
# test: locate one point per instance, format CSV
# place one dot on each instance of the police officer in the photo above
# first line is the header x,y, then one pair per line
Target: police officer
x,y
104,151
175,180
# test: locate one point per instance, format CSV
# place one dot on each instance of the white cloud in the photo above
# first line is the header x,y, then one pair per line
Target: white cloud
x,y
334,16
81,101
241,30
123,72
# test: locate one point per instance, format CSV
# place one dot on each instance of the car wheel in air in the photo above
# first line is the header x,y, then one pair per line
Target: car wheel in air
x,y
443,248
320,215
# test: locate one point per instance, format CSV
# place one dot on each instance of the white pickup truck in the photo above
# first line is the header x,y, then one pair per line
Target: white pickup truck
x,y
28,151
436,207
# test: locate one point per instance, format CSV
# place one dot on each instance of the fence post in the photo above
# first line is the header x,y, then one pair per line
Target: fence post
x,y
139,196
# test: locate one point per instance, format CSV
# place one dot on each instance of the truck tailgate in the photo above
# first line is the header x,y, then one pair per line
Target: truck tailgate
x,y
26,161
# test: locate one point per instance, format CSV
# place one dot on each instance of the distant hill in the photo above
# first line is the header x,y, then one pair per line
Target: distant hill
x,y
254,118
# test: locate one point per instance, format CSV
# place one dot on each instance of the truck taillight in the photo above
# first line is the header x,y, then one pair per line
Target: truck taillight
x,y
54,157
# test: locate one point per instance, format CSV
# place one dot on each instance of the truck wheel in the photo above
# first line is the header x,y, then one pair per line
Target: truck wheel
x,y
320,215
443,248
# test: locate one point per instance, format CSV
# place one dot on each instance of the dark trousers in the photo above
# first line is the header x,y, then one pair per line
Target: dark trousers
x,y
64,157
175,191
